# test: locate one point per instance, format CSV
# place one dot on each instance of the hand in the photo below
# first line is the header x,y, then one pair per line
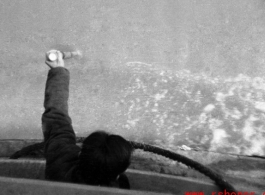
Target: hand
x,y
59,62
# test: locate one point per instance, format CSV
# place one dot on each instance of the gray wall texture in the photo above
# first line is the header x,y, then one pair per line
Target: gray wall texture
x,y
170,73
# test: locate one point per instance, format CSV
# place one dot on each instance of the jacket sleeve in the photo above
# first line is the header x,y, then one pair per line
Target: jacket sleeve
x,y
56,123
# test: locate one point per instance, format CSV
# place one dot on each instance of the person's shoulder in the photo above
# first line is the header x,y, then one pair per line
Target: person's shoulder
x,y
64,170
69,149
124,181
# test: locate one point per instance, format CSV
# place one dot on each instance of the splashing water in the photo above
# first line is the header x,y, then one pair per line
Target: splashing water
x,y
174,108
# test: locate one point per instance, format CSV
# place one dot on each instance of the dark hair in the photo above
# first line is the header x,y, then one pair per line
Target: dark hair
x,y
103,157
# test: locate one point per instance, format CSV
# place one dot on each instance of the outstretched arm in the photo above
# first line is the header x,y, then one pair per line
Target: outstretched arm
x,y
56,123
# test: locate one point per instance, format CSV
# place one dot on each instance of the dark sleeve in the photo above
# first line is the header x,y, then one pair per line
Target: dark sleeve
x,y
124,181
56,123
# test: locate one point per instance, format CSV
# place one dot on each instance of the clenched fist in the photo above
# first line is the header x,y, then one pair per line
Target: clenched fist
x,y
57,62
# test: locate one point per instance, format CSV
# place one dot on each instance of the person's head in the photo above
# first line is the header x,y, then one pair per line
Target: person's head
x,y
103,158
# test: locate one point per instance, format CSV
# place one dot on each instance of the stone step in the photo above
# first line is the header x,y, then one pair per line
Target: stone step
x,y
139,180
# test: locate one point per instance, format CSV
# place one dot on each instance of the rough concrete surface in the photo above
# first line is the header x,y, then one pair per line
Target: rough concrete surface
x,y
17,186
131,80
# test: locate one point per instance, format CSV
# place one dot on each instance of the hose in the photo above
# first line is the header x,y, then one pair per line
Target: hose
x,y
219,180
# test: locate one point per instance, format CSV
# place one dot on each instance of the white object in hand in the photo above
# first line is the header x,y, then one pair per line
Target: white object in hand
x,y
52,56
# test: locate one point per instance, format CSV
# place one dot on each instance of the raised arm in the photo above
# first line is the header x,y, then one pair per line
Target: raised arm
x,y
56,123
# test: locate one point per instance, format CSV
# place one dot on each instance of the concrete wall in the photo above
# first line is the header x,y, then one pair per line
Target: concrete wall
x,y
130,79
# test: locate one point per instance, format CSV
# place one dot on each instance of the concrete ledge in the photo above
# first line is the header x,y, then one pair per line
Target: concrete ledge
x,y
15,186
139,180
148,181
8,147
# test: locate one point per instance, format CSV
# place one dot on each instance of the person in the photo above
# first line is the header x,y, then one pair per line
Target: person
x,y
101,160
